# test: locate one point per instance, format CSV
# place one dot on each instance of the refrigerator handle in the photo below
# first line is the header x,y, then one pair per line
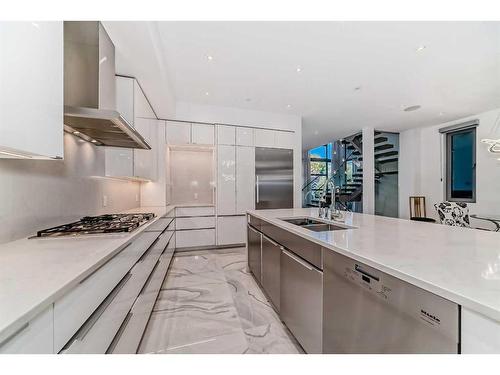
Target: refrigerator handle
x,y
257,187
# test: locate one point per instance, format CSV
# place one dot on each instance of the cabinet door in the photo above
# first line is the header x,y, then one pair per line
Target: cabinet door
x,y
231,230
178,133
145,160
270,273
141,104
245,179
119,162
226,135
125,98
244,136
202,134
34,337
31,88
301,301
254,252
265,138
226,180
284,139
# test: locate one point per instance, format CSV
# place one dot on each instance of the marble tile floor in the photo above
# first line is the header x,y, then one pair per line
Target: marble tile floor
x,y
210,304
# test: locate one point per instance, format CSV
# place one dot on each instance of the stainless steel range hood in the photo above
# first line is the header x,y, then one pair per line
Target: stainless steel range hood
x,y
89,88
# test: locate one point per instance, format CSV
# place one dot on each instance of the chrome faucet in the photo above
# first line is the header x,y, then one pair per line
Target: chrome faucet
x,y
329,212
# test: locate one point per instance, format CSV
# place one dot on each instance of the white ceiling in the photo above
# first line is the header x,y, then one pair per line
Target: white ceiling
x,y
254,66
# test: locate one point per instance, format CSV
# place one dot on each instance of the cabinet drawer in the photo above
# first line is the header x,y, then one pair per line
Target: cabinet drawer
x,y
98,332
198,237
231,230
194,211
171,226
159,225
34,337
128,339
202,222
72,310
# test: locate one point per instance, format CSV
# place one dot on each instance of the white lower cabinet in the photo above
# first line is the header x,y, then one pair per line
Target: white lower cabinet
x,y
73,309
195,238
480,335
194,211
34,337
231,230
202,222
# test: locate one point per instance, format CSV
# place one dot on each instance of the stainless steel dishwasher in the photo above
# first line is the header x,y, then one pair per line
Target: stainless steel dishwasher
x,y
368,311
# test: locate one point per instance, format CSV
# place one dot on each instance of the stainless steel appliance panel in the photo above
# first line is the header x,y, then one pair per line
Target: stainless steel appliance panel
x,y
368,311
254,252
301,305
270,272
273,178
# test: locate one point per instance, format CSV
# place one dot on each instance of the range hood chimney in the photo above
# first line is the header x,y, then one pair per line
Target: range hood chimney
x,y
89,88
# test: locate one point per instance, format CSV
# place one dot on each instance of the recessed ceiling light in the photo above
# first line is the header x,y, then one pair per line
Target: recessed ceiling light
x,y
412,108
357,88
207,93
316,132
289,106
93,141
76,132
420,48
210,58
441,113
299,69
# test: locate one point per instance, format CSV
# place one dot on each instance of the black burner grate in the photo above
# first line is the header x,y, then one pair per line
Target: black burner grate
x,y
109,223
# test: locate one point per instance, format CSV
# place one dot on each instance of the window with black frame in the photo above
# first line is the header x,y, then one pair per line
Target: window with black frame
x,y
461,164
320,159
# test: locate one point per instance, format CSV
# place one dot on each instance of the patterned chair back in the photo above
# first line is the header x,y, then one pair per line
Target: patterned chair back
x,y
453,213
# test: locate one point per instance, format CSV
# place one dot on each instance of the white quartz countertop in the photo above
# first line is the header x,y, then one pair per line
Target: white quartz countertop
x,y
459,264
36,272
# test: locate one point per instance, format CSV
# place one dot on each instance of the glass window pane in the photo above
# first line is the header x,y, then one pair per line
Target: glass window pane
x,y
462,165
318,167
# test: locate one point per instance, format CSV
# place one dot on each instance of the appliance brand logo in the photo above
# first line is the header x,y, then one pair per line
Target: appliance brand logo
x,y
430,316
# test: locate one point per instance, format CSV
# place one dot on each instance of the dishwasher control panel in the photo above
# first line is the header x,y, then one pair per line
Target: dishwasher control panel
x,y
368,279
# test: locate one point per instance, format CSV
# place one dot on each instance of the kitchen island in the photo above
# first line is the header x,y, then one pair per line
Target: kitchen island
x,y
459,265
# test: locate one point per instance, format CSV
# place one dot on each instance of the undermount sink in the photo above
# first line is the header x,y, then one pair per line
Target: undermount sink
x,y
315,225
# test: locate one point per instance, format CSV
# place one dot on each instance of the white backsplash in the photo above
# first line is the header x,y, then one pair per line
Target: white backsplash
x,y
37,194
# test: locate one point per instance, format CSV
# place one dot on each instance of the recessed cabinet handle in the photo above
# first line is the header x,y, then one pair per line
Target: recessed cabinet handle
x,y
270,240
18,331
98,268
300,261
257,188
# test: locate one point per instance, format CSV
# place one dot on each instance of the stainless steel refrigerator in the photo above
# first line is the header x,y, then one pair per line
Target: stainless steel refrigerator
x,y
273,178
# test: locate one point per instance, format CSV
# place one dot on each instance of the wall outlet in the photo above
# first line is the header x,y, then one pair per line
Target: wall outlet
x,y
196,196
104,200
137,197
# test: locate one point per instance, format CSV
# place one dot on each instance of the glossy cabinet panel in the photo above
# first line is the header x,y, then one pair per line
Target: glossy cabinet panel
x,y
194,211
145,161
178,133
141,104
284,139
31,89
231,230
34,337
245,179
244,136
202,222
195,238
226,180
226,135
480,335
119,162
125,98
254,243
202,134
265,138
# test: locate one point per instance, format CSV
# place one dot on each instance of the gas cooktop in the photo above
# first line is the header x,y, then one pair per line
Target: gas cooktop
x,y
103,224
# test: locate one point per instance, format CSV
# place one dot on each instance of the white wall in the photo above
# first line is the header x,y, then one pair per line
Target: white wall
x,y
236,116
37,194
421,169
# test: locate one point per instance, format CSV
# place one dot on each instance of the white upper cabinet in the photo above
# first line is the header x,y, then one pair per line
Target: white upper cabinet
x,y
185,133
244,136
178,133
226,180
31,89
127,162
264,138
125,98
274,138
202,134
142,108
245,179
226,135
284,139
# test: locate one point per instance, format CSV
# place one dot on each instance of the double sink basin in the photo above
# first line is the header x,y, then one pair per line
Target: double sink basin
x,y
316,225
